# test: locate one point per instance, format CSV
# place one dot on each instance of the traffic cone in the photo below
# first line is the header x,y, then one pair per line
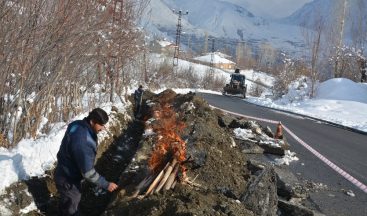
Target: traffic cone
x,y
279,133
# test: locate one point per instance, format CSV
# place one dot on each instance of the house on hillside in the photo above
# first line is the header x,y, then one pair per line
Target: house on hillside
x,y
163,47
218,60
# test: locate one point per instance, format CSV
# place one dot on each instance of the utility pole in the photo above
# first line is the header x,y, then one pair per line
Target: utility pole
x,y
205,49
178,35
212,57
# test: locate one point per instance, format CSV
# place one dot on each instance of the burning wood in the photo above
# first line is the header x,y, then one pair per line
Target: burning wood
x,y
174,184
169,147
171,178
166,175
166,179
156,181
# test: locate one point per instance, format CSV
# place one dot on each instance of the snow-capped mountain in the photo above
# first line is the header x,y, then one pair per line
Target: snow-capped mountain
x,y
330,10
220,18
308,13
227,20
232,21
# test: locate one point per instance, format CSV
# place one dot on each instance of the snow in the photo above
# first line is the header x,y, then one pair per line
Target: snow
x,y
32,157
287,158
338,89
199,69
4,211
217,59
245,134
258,76
29,208
164,43
340,101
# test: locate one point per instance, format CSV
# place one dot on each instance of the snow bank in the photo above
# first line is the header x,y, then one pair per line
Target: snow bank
x,y
342,89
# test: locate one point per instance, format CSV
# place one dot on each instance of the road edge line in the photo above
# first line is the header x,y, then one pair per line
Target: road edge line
x,y
340,171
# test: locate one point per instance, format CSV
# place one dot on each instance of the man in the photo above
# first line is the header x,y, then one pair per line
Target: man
x,y
75,161
138,96
363,69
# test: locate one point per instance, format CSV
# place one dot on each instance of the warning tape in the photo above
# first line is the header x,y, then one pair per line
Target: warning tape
x,y
343,173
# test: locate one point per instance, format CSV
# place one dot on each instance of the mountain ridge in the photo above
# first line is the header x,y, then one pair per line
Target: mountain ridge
x,y
231,22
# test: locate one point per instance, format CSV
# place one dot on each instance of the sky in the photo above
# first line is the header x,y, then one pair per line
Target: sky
x,y
345,106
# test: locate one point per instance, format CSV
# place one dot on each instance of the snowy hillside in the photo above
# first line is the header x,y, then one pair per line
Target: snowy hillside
x,y
221,18
308,12
226,19
356,10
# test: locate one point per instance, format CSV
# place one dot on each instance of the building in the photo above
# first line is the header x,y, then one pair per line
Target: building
x,y
163,47
218,61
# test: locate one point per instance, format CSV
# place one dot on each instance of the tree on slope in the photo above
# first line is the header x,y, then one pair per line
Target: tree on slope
x,y
52,52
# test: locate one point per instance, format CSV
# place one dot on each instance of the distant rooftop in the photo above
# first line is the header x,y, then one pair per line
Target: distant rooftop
x,y
218,59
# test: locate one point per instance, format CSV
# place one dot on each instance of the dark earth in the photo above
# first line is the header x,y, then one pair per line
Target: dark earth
x,y
233,176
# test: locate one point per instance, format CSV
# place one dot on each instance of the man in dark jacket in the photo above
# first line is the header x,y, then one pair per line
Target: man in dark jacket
x,y
75,161
138,96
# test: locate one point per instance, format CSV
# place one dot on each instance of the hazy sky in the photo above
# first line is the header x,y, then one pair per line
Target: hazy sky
x,y
275,8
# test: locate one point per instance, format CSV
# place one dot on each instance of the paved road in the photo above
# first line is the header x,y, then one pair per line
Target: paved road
x,y
345,148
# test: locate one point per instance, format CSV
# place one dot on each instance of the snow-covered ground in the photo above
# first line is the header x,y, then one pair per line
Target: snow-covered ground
x,y
340,101
337,100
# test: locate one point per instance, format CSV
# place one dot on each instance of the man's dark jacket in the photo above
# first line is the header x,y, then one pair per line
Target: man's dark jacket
x,y
138,94
75,159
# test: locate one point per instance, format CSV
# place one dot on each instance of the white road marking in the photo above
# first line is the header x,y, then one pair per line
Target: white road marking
x,y
343,173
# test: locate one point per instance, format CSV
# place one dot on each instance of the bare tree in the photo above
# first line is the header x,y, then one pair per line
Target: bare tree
x,y
266,57
359,25
289,71
313,38
244,55
52,52
336,35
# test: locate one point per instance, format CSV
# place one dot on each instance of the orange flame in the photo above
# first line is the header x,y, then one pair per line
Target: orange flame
x,y
169,143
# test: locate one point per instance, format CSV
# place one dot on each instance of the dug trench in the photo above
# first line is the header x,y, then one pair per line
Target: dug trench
x,y
218,173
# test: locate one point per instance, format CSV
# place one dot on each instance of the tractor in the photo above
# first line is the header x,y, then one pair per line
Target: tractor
x,y
236,85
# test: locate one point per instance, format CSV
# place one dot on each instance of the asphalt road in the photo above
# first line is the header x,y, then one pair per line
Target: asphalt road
x,y
345,148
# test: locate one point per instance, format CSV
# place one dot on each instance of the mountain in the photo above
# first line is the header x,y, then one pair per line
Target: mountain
x,y
220,18
230,21
308,13
356,15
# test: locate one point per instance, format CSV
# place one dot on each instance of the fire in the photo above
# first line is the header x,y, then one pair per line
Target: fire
x,y
169,144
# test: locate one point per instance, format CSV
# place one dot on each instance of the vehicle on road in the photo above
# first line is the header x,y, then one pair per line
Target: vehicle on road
x,y
237,85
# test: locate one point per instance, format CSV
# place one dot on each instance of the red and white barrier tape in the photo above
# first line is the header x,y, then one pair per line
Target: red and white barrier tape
x,y
346,175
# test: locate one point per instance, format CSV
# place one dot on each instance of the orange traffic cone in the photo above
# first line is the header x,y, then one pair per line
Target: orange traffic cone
x,y
279,133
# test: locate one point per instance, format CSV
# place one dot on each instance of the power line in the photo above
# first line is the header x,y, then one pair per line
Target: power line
x,y
178,35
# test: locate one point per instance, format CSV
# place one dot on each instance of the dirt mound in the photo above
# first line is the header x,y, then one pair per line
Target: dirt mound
x,y
218,169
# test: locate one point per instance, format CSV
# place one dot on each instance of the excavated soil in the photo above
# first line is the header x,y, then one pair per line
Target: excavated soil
x,y
216,161
220,170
